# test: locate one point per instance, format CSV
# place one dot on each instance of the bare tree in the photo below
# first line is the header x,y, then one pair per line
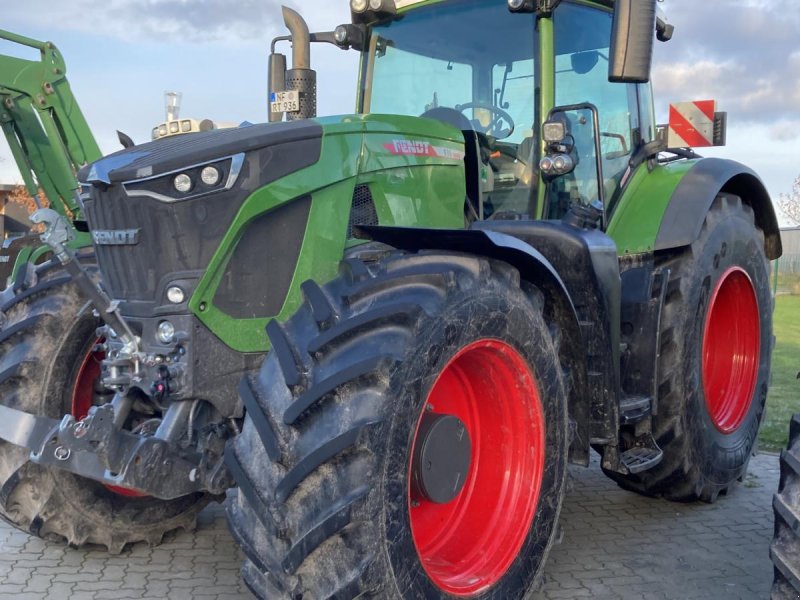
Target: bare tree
x,y
790,203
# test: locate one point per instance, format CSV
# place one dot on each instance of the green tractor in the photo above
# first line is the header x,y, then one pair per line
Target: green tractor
x,y
428,308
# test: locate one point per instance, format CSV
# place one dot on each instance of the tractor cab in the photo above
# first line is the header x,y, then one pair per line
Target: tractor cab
x,y
489,86
464,75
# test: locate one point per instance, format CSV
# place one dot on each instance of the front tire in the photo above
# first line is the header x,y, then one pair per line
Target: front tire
x,y
785,549
716,343
330,504
46,360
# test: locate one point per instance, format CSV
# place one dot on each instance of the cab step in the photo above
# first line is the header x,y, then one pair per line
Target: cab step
x,y
644,455
633,409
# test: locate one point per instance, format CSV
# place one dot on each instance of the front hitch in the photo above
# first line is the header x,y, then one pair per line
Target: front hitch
x,y
95,447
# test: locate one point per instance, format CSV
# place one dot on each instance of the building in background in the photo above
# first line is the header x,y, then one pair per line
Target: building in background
x,y
787,267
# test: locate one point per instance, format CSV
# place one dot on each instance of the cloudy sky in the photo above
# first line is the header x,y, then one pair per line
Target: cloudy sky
x,y
123,54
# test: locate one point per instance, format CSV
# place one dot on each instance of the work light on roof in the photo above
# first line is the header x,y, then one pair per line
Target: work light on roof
x,y
358,6
520,5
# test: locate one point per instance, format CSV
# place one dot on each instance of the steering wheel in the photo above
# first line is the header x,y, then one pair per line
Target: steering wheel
x,y
499,117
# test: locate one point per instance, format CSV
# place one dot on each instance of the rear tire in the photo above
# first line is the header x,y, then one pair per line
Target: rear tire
x,y
716,343
325,507
48,332
785,549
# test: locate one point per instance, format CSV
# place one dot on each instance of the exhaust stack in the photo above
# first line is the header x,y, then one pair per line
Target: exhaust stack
x,y
300,77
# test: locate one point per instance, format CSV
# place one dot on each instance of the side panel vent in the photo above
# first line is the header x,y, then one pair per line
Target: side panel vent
x,y
362,211
259,274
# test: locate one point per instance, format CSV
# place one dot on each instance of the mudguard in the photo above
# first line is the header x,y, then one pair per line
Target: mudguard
x,y
692,199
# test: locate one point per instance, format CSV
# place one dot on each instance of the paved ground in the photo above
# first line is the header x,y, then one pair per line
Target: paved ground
x,y
616,546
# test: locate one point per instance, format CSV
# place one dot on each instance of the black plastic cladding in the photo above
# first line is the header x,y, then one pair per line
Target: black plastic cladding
x,y
178,239
587,262
258,276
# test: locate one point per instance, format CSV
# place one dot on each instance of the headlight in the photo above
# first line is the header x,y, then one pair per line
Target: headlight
x,y
210,176
183,183
189,182
340,34
176,295
166,332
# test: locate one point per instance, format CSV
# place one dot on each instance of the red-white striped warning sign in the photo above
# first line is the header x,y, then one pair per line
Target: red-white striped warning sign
x,y
691,124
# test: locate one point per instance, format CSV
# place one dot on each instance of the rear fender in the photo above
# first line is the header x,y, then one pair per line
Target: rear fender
x,y
692,199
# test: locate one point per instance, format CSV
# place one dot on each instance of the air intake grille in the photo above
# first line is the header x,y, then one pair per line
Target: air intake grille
x,y
362,211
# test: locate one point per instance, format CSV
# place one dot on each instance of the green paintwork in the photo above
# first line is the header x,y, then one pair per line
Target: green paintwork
x,y
353,152
547,97
635,223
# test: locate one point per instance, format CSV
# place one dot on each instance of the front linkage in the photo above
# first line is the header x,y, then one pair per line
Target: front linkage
x,y
154,459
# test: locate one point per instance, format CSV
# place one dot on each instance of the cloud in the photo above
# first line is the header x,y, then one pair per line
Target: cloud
x,y
740,52
195,21
785,131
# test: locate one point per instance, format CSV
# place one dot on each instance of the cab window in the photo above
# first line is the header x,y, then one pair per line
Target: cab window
x,y
582,54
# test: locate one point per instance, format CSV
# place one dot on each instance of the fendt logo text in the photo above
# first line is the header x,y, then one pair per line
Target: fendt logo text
x,y
120,237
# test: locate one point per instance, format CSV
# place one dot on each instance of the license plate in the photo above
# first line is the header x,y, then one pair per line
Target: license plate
x,y
281,102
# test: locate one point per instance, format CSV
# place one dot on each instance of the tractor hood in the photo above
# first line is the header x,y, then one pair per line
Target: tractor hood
x,y
171,154
164,156
159,212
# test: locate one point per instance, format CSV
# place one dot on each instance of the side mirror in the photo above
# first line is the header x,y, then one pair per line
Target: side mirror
x,y
632,40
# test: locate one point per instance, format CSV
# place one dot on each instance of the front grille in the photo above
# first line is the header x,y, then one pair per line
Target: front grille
x,y
173,238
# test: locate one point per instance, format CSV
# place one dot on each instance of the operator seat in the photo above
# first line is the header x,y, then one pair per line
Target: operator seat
x,y
472,147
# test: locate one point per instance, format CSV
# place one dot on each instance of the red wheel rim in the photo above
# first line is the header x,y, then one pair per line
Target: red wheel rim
x,y
468,544
731,350
83,399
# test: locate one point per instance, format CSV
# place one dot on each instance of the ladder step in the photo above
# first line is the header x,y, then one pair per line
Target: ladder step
x,y
641,458
633,409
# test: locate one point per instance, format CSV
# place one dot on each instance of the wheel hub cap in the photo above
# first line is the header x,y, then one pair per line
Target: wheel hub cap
x,y
441,459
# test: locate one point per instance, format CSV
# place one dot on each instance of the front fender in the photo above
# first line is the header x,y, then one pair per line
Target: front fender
x,y
533,267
